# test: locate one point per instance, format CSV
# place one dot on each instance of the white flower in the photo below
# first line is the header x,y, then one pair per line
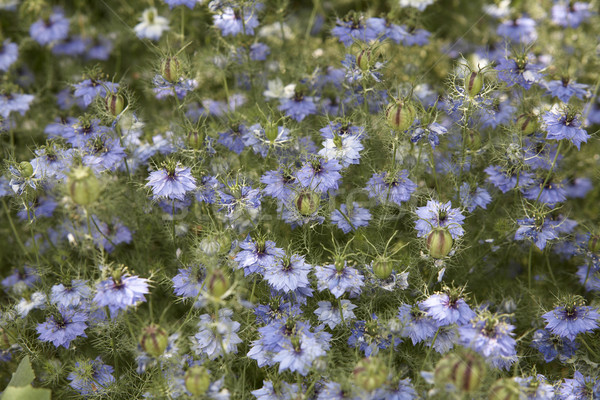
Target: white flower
x,y
152,25
38,300
418,4
275,30
276,90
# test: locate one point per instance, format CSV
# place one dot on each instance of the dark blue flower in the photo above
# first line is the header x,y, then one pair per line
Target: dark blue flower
x,y
565,88
507,180
91,377
279,184
571,319
320,174
79,133
256,255
188,3
415,322
553,346
234,138
473,198
521,72
537,231
189,281
565,126
298,107
63,328
352,29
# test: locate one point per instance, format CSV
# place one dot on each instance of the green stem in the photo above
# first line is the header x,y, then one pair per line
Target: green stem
x,y
550,171
529,265
12,227
341,311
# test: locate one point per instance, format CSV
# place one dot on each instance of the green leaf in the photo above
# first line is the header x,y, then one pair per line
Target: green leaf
x,y
24,375
26,393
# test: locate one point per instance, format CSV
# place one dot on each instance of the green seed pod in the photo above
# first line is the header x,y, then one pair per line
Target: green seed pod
x,y
195,140
370,373
83,185
307,203
527,124
473,139
382,267
154,340
365,59
474,83
400,115
115,103
26,169
197,380
271,131
505,389
594,243
465,371
217,283
171,69
439,243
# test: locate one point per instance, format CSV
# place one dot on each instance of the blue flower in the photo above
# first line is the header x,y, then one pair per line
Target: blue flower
x,y
15,102
371,336
217,336
386,30
163,88
415,37
319,174
256,255
446,310
553,346
521,72
188,3
119,293
330,314
79,133
536,388
259,51
189,281
431,132
280,184
538,231
352,29
569,320
415,323
492,338
20,280
63,328
103,153
229,21
171,182
507,180
550,194
339,279
386,186
288,273
234,138
580,388
334,129
298,107
91,377
9,53
299,354
564,89
55,28
439,215
348,219
285,391
71,295
473,198
518,30
570,14
110,235
566,126
242,200
88,89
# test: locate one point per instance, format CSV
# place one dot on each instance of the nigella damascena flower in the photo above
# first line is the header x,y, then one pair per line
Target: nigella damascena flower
x,y
239,200
569,14
151,25
579,388
370,336
284,391
386,187
448,309
473,198
550,194
171,182
553,346
320,174
431,132
330,314
520,72
339,278
189,281
351,29
565,126
518,30
345,149
118,293
233,22
299,353
420,5
61,329
188,3
536,387
91,377
350,218
299,106
87,90
384,29
507,180
571,319
565,88
538,231
110,234
288,273
70,295
217,335
415,323
53,28
279,184
256,255
9,53
18,102
492,338
439,215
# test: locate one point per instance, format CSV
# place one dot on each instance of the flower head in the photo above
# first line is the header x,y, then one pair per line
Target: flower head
x,y
151,25
439,215
171,182
118,293
386,187
63,328
91,376
571,319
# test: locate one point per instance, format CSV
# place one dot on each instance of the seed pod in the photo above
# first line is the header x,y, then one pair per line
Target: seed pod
x,y
474,83
594,243
197,380
365,59
154,340
527,123
370,373
271,131
400,115
465,371
505,389
195,140
473,139
115,103
217,283
307,203
26,169
382,267
439,243
171,69
83,185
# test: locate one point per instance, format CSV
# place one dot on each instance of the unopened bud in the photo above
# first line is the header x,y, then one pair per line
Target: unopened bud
x,y
197,380
83,185
115,103
473,139
195,140
400,115
154,340
365,59
26,169
439,243
527,123
474,83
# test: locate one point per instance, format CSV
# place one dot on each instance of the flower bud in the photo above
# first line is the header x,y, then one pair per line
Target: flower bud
x,y
465,372
171,69
370,373
474,83
154,340
195,140
83,185
382,267
307,203
26,169
271,131
439,243
365,59
217,283
505,389
115,103
400,115
527,123
197,380
473,139
594,243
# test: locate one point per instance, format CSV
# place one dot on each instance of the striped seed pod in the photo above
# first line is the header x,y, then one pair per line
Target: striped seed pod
x,y
365,59
115,103
217,283
83,186
307,203
154,340
197,380
195,140
474,83
594,243
370,373
171,69
464,371
382,267
527,123
400,115
439,243
505,389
